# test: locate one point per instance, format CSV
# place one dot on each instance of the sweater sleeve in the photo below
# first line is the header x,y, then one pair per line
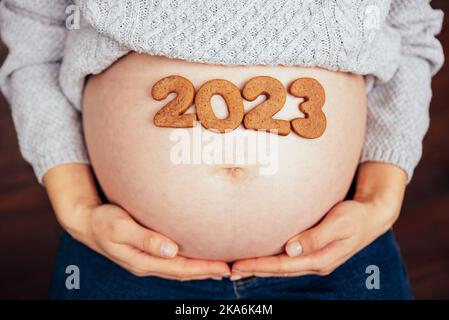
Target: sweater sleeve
x,y
398,115
48,127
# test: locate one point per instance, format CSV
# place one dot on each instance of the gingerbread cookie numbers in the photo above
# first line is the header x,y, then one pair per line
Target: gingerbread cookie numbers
x,y
231,94
311,126
172,114
314,123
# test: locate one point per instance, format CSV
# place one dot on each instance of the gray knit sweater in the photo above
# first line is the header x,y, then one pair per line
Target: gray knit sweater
x,y
392,43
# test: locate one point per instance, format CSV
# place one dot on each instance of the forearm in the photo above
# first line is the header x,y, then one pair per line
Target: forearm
x,y
71,189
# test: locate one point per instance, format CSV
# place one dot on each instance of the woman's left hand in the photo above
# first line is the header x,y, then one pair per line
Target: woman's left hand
x,y
346,229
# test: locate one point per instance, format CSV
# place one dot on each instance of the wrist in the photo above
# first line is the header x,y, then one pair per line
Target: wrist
x,y
382,186
78,220
376,181
72,192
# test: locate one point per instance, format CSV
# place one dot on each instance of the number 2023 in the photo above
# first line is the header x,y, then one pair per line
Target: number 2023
x,y
172,115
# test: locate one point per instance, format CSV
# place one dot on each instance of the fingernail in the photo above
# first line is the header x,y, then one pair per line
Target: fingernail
x,y
226,275
294,249
236,277
168,249
217,278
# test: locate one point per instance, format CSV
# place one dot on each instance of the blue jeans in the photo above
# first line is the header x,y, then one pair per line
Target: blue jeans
x,y
102,279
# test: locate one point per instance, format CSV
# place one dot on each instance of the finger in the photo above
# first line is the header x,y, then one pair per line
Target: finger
x,y
323,272
333,227
127,231
126,257
269,264
178,268
283,264
186,268
271,275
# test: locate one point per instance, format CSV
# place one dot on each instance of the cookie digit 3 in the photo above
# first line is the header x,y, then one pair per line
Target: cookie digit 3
x,y
314,123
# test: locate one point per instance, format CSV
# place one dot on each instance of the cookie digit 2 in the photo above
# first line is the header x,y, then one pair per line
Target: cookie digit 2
x,y
172,114
231,95
314,123
260,117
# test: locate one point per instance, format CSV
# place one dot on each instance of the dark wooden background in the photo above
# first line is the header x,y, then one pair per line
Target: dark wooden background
x,y
29,232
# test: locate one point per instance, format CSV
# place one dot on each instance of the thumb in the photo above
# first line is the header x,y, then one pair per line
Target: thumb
x,y
153,243
313,239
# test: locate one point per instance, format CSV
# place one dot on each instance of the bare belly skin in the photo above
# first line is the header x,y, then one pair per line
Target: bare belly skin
x,y
224,211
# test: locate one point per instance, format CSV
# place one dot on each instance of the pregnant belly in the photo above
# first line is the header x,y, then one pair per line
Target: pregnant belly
x,y
246,200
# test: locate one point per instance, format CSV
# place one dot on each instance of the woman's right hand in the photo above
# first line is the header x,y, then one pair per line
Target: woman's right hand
x,y
112,232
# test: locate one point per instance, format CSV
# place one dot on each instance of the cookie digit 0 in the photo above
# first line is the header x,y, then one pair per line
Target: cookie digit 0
x,y
314,123
260,117
172,114
231,94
